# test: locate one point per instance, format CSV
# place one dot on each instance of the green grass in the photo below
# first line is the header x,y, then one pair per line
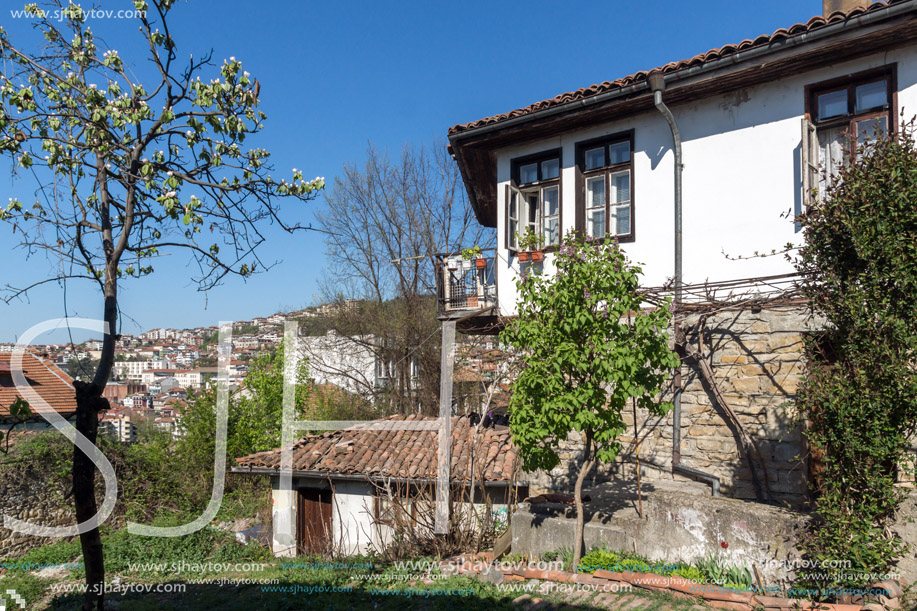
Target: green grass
x,y
391,588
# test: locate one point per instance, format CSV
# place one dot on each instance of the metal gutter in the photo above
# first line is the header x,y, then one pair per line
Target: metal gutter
x,y
657,84
711,66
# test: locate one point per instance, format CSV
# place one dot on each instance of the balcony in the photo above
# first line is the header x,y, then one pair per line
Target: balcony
x,y
465,288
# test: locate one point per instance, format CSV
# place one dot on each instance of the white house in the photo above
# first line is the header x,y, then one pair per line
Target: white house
x,y
355,363
761,125
345,483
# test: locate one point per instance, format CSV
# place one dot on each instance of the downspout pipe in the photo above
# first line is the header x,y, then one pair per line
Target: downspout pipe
x,y
657,85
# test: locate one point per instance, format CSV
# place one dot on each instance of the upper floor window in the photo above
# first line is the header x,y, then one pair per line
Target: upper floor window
x,y
605,202
841,115
533,199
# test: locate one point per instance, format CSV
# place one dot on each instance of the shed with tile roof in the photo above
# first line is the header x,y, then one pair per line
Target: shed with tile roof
x,y
344,480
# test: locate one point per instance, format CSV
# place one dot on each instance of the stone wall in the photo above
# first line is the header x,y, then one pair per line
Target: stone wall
x,y
756,360
26,494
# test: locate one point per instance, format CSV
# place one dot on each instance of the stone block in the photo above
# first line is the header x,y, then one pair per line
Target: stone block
x,y
745,385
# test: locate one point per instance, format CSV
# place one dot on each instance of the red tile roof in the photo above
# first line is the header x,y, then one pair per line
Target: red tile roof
x,y
50,382
765,39
399,453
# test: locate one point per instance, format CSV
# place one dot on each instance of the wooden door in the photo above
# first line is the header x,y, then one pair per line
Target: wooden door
x,y
313,521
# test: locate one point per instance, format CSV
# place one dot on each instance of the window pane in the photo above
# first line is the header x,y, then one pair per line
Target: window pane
x,y
832,104
595,191
622,220
832,154
595,225
513,230
528,173
620,187
871,95
551,233
550,169
619,153
512,206
871,129
549,201
595,158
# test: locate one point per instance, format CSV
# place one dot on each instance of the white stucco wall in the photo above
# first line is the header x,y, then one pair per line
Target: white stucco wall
x,y
352,516
741,172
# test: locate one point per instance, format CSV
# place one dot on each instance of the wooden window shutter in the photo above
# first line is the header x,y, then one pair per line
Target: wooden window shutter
x,y
809,162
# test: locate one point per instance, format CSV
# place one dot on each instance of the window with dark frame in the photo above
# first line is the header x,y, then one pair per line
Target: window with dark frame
x,y
841,115
534,199
605,203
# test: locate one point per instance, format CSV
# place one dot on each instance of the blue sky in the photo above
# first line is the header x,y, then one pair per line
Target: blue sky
x,y
337,75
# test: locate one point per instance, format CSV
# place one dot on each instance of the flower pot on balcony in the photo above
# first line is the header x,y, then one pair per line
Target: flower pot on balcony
x,y
537,255
480,263
524,256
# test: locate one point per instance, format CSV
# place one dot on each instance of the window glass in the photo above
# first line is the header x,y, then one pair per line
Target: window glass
x,y
549,201
619,153
871,95
620,187
832,153
528,173
595,191
550,169
595,158
871,129
833,104
551,233
596,223
622,220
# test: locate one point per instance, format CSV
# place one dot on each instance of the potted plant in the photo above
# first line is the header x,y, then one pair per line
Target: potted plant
x,y
473,253
531,244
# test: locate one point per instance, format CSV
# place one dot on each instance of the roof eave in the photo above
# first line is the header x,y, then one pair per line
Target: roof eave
x,y
487,214
364,477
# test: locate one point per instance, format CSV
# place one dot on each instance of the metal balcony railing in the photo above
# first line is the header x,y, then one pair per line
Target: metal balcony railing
x,y
465,285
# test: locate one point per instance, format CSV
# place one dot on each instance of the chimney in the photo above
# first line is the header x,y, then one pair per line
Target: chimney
x,y
832,6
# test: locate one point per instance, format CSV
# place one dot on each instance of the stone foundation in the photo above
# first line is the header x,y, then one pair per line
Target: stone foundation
x,y
757,361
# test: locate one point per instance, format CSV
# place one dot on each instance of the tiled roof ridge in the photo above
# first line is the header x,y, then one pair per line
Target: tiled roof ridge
x,y
396,452
583,93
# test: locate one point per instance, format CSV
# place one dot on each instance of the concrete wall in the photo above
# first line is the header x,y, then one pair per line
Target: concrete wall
x,y
756,358
741,177
676,527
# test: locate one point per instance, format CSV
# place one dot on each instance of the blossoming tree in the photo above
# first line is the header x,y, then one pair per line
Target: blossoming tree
x,y
129,167
587,348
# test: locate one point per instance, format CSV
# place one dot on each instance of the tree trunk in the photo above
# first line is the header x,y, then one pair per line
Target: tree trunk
x,y
88,403
585,468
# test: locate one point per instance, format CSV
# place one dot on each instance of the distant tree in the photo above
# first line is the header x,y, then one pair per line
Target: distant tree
x,y
586,349
384,222
80,369
133,160
255,412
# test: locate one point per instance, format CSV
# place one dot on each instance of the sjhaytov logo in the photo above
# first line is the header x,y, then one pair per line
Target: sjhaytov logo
x,y
14,600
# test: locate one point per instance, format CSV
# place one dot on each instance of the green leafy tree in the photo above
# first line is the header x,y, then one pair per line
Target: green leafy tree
x,y
587,349
255,413
859,395
135,157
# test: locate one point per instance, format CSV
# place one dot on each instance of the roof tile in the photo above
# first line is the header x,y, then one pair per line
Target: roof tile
x,y
765,39
391,452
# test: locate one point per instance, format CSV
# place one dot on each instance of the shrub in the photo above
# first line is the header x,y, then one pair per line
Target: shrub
x,y
859,394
